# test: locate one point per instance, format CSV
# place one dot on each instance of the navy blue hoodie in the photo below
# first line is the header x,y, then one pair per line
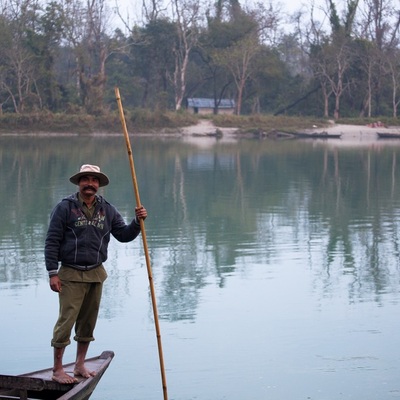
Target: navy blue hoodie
x,y
82,243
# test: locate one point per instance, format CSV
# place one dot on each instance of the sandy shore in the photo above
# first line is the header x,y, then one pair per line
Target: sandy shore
x,y
350,134
358,134
206,127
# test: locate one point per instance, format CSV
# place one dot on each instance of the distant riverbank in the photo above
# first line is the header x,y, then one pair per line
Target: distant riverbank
x,y
349,134
188,125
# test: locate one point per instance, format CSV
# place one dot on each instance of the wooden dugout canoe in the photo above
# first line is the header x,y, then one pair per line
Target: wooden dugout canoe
x,y
303,135
388,135
317,135
39,385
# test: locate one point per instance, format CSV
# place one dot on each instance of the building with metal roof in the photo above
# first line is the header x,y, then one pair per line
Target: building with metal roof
x,y
210,106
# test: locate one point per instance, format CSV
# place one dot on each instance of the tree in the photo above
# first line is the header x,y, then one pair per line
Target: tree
x,y
187,20
392,65
87,31
153,61
331,58
238,60
18,64
232,45
45,42
379,25
364,72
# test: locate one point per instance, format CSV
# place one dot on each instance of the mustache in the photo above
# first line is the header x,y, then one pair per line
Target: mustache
x,y
90,187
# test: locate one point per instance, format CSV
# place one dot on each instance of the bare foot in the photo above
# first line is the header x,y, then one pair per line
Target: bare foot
x,y
82,371
63,378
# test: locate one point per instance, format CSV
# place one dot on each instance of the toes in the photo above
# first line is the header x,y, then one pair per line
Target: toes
x,y
84,374
64,380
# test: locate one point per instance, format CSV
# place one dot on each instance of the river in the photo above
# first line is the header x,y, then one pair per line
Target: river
x,y
275,263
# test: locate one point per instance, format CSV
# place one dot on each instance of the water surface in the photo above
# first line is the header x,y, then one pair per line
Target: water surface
x,y
276,266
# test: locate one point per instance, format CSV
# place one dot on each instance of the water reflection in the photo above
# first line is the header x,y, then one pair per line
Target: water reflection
x,y
301,226
214,210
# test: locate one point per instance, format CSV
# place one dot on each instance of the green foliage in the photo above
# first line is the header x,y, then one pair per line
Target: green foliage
x,y
333,17
152,62
145,119
267,123
81,123
59,57
66,123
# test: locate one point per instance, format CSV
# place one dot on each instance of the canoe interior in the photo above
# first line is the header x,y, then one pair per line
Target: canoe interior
x,y
39,385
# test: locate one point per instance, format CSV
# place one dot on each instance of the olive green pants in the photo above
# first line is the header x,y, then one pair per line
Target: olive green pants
x,y
79,306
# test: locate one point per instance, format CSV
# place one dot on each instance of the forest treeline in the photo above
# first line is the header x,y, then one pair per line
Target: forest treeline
x,y
66,56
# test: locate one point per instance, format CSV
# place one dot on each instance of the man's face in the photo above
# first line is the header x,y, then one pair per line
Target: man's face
x,y
88,185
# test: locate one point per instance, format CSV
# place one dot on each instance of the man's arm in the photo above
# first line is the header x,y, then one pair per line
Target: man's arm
x,y
55,234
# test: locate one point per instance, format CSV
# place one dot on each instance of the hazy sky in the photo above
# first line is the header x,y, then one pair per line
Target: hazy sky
x,y
133,8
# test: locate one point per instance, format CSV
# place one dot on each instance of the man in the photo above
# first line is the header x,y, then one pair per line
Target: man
x,y
78,237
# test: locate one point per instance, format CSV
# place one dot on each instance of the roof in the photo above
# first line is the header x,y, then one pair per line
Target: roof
x,y
210,103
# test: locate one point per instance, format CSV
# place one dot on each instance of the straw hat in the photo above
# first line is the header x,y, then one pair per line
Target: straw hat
x,y
88,169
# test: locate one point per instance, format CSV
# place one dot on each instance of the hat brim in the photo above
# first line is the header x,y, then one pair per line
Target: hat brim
x,y
103,179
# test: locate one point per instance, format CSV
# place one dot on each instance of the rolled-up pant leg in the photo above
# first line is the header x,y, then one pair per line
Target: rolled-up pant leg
x,y
79,304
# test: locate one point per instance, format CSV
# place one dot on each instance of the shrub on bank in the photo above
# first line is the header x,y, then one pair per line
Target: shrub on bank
x,y
267,123
143,120
49,122
147,120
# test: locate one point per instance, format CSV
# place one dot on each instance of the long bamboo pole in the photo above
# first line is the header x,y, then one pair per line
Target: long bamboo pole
x,y
146,251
